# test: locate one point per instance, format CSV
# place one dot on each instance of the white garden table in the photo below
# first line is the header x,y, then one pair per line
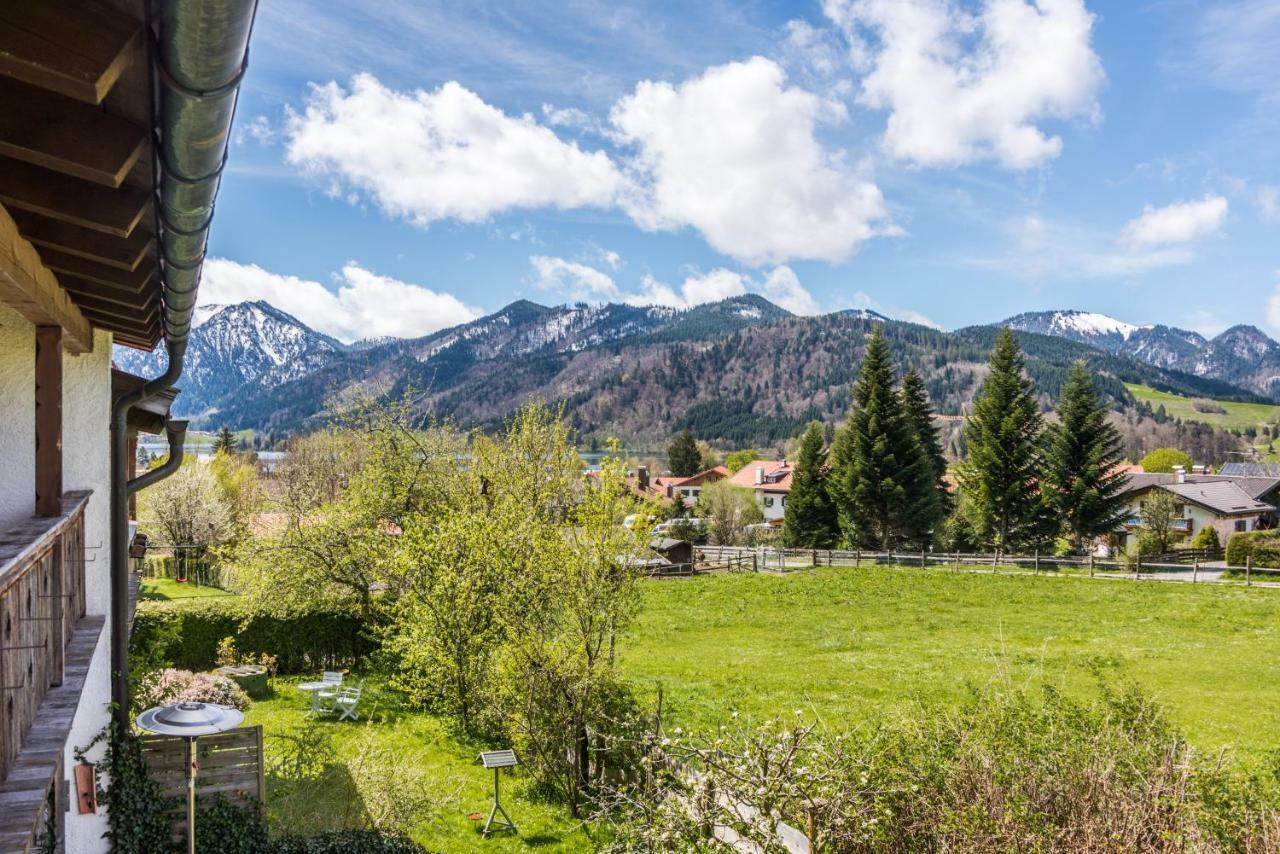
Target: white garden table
x,y
314,689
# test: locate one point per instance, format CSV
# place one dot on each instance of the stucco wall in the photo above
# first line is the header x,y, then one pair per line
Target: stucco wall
x,y
86,464
17,417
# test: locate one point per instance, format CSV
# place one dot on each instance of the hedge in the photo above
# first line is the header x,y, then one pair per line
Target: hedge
x,y
186,634
1262,546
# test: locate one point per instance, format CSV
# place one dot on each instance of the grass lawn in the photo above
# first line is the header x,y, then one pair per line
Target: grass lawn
x,y
167,588
1237,415
857,645
456,786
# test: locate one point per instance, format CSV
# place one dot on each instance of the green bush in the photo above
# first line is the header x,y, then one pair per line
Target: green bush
x,y
230,829
1262,546
1207,539
186,634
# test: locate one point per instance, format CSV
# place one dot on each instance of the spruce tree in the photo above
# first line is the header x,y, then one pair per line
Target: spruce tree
x,y
879,467
810,518
931,494
683,457
225,443
1081,481
1000,478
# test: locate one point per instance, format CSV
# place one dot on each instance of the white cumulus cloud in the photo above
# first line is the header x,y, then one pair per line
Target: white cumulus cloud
x,y
1181,222
960,86
733,154
426,156
578,281
780,286
365,304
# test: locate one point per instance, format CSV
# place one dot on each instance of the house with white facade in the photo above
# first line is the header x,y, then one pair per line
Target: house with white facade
x,y
770,480
114,122
1229,504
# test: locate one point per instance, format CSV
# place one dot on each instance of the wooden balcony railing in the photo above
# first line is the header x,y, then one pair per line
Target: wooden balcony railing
x,y
42,596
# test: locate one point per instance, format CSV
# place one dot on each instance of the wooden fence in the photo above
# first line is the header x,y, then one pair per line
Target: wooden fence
x,y
1184,565
229,764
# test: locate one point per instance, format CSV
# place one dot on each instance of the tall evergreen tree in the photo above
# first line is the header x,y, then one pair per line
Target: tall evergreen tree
x,y
879,468
810,518
931,494
683,457
225,443
1003,434
1081,481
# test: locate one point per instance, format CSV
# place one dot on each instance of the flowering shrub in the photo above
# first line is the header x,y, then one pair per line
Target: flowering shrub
x,y
164,687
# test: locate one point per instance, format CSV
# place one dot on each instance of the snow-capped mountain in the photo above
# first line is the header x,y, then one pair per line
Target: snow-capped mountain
x,y
1243,355
234,351
864,314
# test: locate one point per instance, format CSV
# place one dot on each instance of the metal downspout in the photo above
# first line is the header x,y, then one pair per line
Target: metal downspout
x,y
199,58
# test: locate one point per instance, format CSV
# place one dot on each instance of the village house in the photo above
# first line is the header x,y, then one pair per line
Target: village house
x,y
683,489
770,480
114,122
1229,504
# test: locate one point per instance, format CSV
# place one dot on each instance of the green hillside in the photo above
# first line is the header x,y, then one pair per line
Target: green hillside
x,y
1235,416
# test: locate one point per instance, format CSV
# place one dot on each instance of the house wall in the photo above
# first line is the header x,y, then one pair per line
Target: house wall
x,y
772,503
17,417
86,464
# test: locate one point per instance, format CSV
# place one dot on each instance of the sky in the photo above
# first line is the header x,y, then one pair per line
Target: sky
x,y
400,166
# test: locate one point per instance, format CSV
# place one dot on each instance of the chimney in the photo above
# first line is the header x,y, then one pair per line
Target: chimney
x,y
1179,474
642,477
759,475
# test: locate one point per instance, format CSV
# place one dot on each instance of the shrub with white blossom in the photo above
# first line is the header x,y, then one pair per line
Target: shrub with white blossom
x,y
168,686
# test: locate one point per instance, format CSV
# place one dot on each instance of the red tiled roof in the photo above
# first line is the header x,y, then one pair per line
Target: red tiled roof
x,y
777,475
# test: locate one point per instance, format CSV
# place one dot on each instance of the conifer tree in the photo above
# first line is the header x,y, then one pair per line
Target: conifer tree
x,y
810,518
225,443
683,456
931,494
1000,478
879,467
1081,481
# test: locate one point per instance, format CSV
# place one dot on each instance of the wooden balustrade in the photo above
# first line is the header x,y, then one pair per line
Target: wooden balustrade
x,y
42,596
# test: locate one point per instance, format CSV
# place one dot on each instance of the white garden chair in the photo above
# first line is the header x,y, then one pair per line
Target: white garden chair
x,y
332,680
347,702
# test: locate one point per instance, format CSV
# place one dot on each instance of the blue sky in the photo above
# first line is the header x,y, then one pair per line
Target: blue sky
x,y
403,165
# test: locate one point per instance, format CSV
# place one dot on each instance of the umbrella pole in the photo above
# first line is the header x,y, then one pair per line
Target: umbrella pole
x,y
191,796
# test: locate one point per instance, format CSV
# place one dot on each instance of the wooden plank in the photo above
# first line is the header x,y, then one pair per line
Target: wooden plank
x,y
122,253
60,133
78,287
33,291
49,421
98,306
131,280
76,47
86,204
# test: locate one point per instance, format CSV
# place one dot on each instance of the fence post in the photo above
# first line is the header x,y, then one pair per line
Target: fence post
x,y
1137,565
1248,570
1091,565
1037,561
922,566
857,558
1195,569
995,560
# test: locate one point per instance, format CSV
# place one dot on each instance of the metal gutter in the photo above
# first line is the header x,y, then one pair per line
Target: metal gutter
x,y
199,59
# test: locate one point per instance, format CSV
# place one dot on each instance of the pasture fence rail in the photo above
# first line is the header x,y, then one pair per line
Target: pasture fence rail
x,y
1184,566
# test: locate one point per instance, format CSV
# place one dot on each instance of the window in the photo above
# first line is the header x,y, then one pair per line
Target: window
x,y
1242,525
784,501
768,501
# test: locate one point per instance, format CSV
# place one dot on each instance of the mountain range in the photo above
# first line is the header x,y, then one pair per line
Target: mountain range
x,y
1242,355
739,370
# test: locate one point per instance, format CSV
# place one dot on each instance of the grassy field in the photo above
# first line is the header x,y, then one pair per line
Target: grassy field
x,y
167,588
1236,417
391,740
858,645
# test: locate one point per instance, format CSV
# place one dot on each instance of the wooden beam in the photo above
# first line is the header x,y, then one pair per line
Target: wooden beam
x,y
33,291
129,280
95,306
75,47
83,287
142,330
122,253
112,211
48,420
60,133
